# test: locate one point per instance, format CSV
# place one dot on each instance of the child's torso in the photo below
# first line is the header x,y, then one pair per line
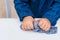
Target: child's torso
x,y
39,7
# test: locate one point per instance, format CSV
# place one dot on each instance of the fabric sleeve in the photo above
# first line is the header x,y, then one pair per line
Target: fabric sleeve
x,y
54,13
22,8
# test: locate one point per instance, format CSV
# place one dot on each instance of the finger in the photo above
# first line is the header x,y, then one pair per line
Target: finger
x,y
40,24
31,26
47,27
43,26
25,26
28,27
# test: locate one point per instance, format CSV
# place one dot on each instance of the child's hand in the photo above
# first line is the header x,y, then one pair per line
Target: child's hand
x,y
44,24
27,23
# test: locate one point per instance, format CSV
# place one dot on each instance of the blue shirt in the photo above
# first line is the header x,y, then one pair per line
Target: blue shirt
x,y
49,9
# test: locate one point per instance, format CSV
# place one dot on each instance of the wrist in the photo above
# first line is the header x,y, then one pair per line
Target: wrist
x,y
28,17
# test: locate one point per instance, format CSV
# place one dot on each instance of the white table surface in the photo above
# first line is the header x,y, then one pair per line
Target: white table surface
x,y
10,30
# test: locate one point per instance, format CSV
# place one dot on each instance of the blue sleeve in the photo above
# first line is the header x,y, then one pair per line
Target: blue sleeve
x,y
54,12
22,9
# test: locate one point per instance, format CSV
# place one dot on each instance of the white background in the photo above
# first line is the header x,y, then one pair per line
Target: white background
x,y
10,30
